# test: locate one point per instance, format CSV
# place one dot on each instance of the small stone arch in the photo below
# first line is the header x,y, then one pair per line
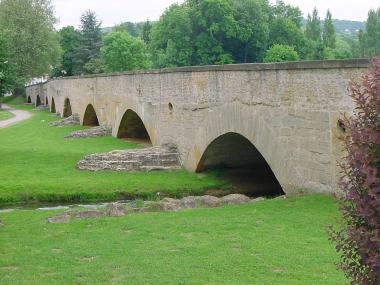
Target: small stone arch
x,y
46,101
29,100
38,101
67,111
241,164
52,106
90,118
132,126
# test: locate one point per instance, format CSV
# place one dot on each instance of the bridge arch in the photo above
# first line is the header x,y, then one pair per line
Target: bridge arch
x,y
38,101
46,101
132,126
90,118
67,111
52,106
241,164
29,100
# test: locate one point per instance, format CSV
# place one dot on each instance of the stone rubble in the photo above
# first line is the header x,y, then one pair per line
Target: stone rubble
x,y
115,210
100,131
69,121
42,108
137,160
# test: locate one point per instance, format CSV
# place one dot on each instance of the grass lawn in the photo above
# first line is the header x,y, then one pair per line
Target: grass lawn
x,y
5,115
38,165
270,242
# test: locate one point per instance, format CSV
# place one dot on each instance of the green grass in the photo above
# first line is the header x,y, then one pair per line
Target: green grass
x,y
5,115
38,165
271,242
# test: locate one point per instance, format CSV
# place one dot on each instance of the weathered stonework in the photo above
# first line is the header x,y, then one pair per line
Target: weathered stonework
x,y
288,111
145,159
73,120
90,133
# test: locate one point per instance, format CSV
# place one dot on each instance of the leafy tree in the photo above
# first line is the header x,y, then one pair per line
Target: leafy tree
x,y
171,38
343,50
8,76
89,44
328,34
313,27
282,10
213,24
251,40
123,52
69,40
146,32
31,35
370,38
278,53
358,237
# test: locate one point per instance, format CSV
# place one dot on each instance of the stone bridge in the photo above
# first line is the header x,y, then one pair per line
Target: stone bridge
x,y
284,116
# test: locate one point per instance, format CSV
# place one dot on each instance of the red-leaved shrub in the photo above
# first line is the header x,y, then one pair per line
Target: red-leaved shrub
x,y
358,240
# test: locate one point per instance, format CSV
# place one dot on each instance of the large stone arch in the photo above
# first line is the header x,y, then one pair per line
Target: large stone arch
x,y
90,118
240,119
131,125
52,106
67,111
38,101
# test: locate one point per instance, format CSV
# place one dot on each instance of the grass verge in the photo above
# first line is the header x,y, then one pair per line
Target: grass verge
x,y
38,165
5,115
270,242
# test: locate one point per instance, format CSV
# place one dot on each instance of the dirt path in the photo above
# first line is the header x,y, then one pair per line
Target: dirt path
x,y
20,116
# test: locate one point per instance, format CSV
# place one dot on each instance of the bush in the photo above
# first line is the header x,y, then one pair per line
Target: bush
x,y
278,53
358,239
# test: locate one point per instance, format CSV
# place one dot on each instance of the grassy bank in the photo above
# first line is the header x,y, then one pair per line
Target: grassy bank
x,y
270,242
38,165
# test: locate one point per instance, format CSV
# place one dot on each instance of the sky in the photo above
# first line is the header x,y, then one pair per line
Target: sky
x,y
113,12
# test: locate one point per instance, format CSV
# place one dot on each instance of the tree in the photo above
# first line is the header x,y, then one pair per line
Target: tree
x,y
251,40
69,39
328,34
370,38
171,42
123,52
357,238
89,44
8,75
282,10
313,27
30,28
278,53
146,32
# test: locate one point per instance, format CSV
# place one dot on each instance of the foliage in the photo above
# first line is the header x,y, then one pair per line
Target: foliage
x,y
370,38
278,53
90,42
5,115
122,52
282,10
313,27
328,33
358,239
146,35
30,33
269,242
8,75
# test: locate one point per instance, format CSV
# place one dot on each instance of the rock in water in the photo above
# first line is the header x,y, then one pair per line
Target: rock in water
x,y
63,218
115,210
88,215
235,199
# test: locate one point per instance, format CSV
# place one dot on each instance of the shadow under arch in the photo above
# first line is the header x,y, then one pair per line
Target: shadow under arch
x,y
46,101
67,112
90,118
52,106
38,101
29,100
241,164
131,126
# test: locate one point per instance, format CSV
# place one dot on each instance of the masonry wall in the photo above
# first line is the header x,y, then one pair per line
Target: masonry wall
x,y
288,111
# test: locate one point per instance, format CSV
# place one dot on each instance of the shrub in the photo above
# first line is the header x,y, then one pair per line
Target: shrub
x,y
279,53
358,239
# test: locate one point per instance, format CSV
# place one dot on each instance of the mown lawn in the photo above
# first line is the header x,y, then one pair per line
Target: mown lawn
x,y
5,115
38,165
271,242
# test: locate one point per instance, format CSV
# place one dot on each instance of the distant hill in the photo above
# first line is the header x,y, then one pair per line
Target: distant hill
x,y
348,27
